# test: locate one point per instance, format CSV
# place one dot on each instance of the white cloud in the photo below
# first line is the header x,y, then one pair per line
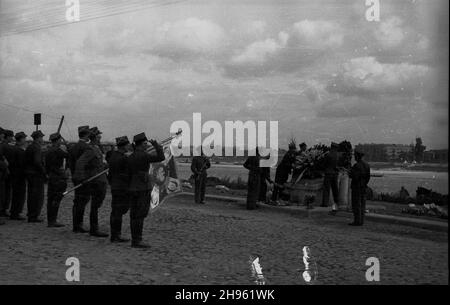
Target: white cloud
x,y
390,33
369,75
318,33
259,51
190,35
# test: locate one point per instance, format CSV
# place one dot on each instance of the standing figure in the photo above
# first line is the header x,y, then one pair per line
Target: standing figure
x,y
331,177
360,175
119,183
198,167
283,171
254,180
18,178
140,185
57,178
8,153
264,180
80,193
3,172
88,165
36,176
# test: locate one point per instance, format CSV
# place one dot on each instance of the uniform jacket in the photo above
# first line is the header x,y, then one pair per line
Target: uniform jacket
x,y
360,175
89,164
54,162
252,164
3,164
118,170
34,162
139,166
200,164
331,163
75,152
17,162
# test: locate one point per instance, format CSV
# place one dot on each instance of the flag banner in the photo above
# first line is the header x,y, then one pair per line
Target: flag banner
x,y
164,179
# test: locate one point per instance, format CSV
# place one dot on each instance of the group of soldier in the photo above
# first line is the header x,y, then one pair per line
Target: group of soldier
x,y
24,170
259,178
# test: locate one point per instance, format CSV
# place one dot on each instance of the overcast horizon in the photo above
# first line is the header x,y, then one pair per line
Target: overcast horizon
x,y
318,67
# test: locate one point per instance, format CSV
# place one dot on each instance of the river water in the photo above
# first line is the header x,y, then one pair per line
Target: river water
x,y
390,182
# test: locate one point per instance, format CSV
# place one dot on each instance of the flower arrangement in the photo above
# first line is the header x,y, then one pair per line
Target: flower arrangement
x,y
310,162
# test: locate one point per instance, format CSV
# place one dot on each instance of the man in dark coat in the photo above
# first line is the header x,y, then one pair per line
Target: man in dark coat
x,y
119,182
8,153
36,176
88,165
283,171
199,166
18,178
254,180
140,185
57,178
3,172
331,176
360,175
82,192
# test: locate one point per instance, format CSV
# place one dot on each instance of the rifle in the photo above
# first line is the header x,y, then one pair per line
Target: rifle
x,y
164,142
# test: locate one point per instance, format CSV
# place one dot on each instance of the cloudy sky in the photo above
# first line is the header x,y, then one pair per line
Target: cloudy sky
x,y
318,67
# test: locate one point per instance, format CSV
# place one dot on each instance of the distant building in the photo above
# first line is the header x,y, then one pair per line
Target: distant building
x,y
385,152
436,156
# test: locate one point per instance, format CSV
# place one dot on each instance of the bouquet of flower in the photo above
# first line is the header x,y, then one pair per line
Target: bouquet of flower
x,y
310,162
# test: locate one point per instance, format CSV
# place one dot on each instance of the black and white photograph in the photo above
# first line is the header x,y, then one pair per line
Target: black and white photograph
x,y
206,144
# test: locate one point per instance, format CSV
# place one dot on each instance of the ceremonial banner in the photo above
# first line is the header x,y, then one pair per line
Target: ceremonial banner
x,y
164,178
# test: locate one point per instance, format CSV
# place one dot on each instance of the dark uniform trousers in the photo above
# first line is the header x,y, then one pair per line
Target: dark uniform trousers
x,y
281,177
95,191
330,182
139,208
359,204
35,195
19,186
200,187
57,185
6,195
120,204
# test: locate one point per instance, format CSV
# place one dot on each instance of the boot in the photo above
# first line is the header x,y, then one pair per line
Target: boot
x,y
137,226
55,225
94,231
77,218
116,229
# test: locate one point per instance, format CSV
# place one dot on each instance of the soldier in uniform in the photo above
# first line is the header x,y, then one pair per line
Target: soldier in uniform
x,y
3,172
254,180
8,154
360,175
283,171
82,192
119,181
36,176
18,178
140,185
199,166
57,178
89,164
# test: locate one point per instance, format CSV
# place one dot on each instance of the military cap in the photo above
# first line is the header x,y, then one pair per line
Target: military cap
x,y
82,130
20,135
139,138
95,131
8,133
303,144
358,154
37,134
120,141
55,136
